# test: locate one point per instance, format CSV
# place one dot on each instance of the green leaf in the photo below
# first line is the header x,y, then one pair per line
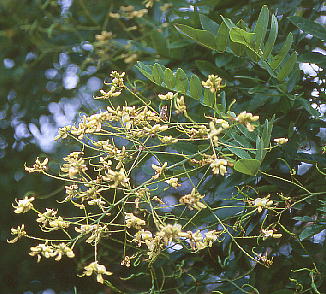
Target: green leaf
x,y
209,98
181,81
247,166
310,231
241,36
145,70
266,135
203,37
283,52
271,38
169,78
195,88
208,24
158,74
239,152
309,27
261,26
221,40
260,149
287,67
228,22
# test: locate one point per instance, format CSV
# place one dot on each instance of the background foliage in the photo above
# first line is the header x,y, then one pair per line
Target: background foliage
x,y
44,44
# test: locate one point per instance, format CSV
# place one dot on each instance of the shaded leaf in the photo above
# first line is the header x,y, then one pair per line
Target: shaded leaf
x,y
287,67
309,27
271,38
261,26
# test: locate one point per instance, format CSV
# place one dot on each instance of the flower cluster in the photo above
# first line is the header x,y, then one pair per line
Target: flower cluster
x,y
129,158
49,251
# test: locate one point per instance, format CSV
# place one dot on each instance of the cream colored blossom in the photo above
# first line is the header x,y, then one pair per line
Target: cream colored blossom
x,y
58,223
270,233
261,203
180,105
119,178
281,141
133,221
143,236
45,217
42,250
61,250
193,200
213,83
168,140
19,233
85,229
97,269
159,169
38,166
167,96
219,166
246,118
173,182
211,237
24,205
104,36
169,232
74,166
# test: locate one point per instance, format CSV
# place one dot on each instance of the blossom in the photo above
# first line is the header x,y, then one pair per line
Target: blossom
x,y
219,166
261,203
42,250
180,105
246,118
19,233
38,166
159,169
61,250
270,233
133,221
98,269
169,232
213,83
192,200
281,141
24,205
173,182
167,96
44,218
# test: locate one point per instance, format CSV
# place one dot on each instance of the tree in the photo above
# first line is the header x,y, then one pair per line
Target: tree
x,y
264,79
